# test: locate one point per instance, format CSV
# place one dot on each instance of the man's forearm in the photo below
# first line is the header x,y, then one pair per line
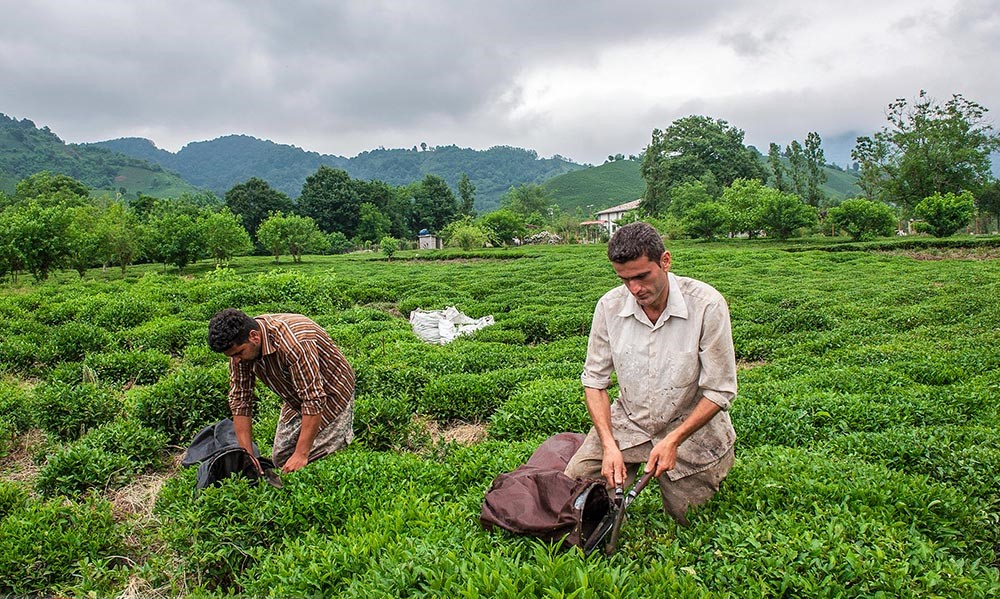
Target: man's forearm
x,y
307,434
243,425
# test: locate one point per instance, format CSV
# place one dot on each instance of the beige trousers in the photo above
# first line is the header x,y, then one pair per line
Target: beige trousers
x,y
678,495
332,437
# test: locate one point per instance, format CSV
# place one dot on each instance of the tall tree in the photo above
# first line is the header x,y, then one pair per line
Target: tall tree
x,y
332,199
254,200
467,193
781,182
527,200
815,175
927,148
434,204
224,236
688,149
798,168
373,225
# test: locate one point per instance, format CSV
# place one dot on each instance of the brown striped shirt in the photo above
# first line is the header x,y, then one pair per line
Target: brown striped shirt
x,y
300,363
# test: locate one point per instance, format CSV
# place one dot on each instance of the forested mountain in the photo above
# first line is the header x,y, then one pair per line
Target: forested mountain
x,y
25,150
220,164
619,181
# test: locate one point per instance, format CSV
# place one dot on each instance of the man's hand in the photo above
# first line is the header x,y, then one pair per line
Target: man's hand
x,y
663,457
294,463
613,467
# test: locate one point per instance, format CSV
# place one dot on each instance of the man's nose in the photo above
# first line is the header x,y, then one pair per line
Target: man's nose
x,y
634,287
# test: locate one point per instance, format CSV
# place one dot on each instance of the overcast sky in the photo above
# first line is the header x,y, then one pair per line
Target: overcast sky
x,y
583,79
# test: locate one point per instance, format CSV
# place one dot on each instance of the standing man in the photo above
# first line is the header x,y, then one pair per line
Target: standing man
x,y
669,340
296,358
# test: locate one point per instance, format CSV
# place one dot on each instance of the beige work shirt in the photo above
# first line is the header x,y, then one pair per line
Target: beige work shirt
x,y
665,367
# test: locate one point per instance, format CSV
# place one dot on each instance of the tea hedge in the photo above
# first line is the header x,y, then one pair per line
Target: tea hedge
x,y
867,429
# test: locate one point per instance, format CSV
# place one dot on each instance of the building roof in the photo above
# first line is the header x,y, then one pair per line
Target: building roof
x,y
621,207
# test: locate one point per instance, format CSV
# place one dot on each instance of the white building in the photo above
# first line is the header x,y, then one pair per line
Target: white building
x,y
609,215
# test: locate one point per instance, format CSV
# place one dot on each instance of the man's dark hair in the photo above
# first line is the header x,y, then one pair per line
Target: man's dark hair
x,y
634,240
229,327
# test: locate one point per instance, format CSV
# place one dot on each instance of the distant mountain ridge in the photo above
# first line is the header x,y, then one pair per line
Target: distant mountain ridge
x,y
25,150
221,163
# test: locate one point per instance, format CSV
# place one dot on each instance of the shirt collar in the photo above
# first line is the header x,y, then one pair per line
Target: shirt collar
x,y
266,346
676,306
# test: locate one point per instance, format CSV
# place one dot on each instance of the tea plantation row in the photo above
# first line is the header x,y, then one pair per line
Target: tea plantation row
x,y
867,455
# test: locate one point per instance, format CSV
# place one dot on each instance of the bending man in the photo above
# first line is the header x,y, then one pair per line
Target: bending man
x,y
296,358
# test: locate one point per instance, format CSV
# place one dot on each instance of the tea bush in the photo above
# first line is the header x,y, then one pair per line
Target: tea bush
x,y
79,467
73,341
13,497
136,367
69,411
387,423
183,402
167,334
16,410
43,545
543,407
117,313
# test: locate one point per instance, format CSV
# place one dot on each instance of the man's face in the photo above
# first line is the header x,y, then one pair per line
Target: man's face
x,y
248,350
646,279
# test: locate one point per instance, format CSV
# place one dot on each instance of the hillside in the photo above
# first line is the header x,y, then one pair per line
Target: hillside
x,y
221,163
25,150
618,182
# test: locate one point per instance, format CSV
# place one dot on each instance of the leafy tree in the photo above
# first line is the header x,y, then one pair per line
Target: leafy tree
x,y
388,246
686,196
527,200
798,168
467,194
83,239
373,225
50,189
121,235
988,199
224,236
927,148
39,234
778,171
434,204
332,199
783,214
815,175
294,234
464,233
393,202
174,237
745,201
254,200
688,149
944,214
503,226
339,243
706,219
863,219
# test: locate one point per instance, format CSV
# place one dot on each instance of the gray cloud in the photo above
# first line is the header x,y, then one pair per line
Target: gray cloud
x,y
583,79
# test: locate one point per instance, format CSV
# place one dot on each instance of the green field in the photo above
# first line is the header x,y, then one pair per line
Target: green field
x,y
867,460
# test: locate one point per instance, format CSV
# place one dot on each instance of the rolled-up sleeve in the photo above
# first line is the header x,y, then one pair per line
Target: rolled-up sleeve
x,y
599,364
717,380
241,382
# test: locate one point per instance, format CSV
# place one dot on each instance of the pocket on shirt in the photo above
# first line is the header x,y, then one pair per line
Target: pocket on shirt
x,y
681,369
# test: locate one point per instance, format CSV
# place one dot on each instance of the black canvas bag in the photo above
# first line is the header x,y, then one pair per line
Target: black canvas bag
x,y
538,500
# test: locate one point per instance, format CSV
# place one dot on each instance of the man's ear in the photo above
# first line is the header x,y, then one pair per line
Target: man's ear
x,y
665,261
254,337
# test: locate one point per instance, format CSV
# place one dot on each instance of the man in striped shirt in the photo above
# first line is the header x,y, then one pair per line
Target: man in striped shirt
x,y
297,359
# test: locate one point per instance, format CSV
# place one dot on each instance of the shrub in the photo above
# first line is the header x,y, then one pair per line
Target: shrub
x,y
72,341
167,334
69,411
140,367
121,312
143,446
863,219
13,497
543,407
43,546
944,214
387,423
15,408
19,353
384,379
77,468
184,402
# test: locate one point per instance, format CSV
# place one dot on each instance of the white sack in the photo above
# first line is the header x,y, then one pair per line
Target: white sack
x,y
443,326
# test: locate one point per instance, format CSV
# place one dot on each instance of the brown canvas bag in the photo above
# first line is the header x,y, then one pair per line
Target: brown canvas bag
x,y
538,500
